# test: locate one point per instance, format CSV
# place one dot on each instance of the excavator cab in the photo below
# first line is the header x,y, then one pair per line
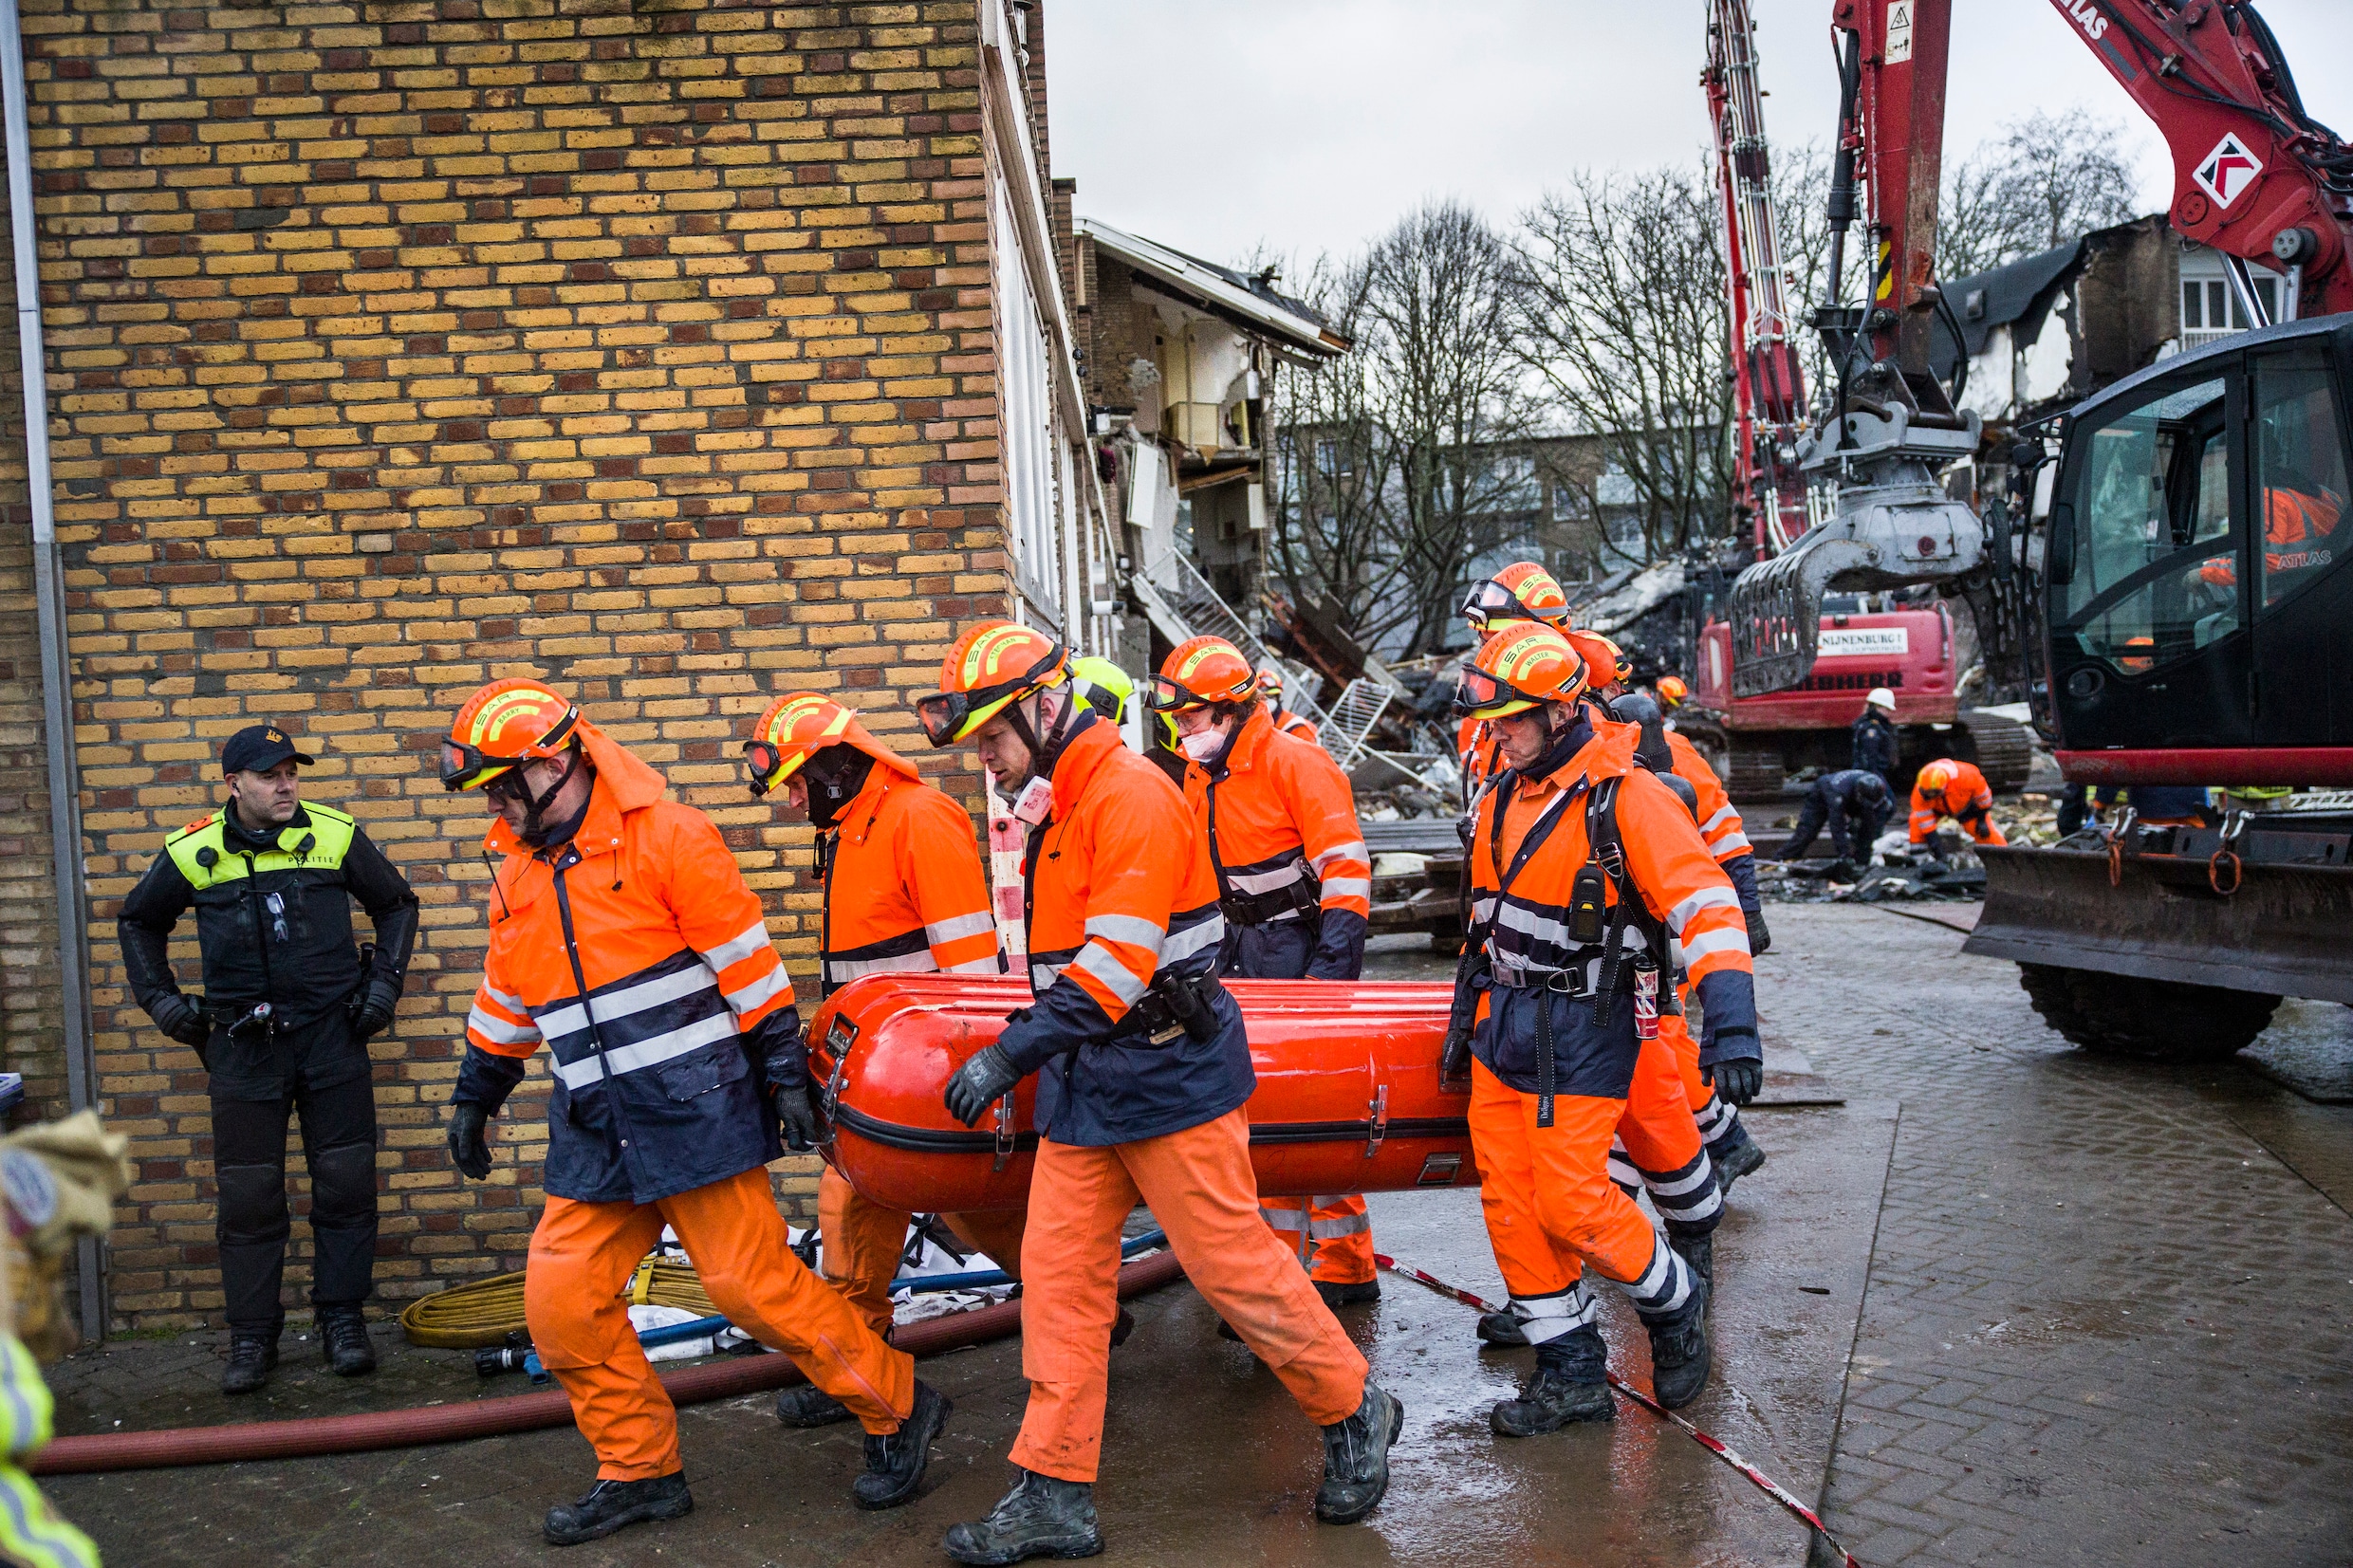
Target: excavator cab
x,y
2194,565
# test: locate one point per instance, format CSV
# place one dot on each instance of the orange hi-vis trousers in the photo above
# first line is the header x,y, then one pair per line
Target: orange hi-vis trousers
x,y
1659,1142
1202,1192
863,1243
1718,1119
1551,1208
581,1255
1331,1235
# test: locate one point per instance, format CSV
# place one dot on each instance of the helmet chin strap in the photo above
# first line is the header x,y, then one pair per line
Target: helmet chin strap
x,y
1043,753
535,830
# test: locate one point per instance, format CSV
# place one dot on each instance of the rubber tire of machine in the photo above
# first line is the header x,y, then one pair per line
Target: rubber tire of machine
x,y
2121,1015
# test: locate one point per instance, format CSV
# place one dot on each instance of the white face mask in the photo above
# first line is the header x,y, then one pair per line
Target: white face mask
x,y
1035,802
1203,745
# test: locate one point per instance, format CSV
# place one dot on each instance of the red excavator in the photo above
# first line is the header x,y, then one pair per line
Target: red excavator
x,y
2188,591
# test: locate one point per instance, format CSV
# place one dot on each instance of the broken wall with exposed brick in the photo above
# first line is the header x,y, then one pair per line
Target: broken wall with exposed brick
x,y
642,345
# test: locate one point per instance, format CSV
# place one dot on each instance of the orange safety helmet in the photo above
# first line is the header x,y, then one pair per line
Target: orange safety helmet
x,y
1202,670
991,666
1673,692
506,723
1520,668
795,728
1934,778
1606,663
1521,591
1270,684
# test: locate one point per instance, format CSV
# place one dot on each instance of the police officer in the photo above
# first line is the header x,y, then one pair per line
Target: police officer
x,y
1853,803
288,1002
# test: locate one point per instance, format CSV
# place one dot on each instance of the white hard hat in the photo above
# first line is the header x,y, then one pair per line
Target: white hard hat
x,y
1881,697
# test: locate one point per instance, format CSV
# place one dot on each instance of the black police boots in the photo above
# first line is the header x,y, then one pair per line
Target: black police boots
x,y
1502,1328
1348,1294
1040,1517
344,1338
809,1406
250,1359
1568,1385
611,1506
1736,1162
1678,1350
1356,1458
895,1464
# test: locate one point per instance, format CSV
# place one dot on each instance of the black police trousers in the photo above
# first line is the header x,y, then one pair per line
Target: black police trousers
x,y
1861,832
248,1163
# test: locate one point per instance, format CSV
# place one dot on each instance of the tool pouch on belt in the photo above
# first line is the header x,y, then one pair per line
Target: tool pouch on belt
x,y
1176,1004
1257,908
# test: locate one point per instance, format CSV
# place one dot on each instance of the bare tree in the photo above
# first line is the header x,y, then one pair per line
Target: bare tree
x,y
1621,311
2044,181
1403,460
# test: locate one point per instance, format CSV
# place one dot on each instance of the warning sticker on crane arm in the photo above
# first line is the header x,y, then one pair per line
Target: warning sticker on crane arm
x,y
2227,170
1849,641
1898,31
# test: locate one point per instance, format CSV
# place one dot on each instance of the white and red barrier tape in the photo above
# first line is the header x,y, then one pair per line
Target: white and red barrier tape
x,y
1757,1478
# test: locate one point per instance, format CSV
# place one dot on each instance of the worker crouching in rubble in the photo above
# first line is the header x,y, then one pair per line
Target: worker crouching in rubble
x,y
1142,1074
1584,867
623,935
1295,885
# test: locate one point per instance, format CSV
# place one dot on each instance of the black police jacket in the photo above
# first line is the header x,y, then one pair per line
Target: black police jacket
x,y
273,924
1877,747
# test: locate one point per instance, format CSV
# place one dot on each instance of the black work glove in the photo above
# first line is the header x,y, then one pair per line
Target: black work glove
x,y
979,1084
183,1020
375,1007
1454,1061
796,1115
1737,1082
470,1149
1760,940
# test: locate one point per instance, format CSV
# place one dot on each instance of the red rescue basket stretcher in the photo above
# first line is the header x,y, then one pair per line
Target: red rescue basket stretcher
x,y
1347,1098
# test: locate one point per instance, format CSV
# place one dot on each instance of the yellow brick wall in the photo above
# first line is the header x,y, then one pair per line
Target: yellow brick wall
x,y
642,346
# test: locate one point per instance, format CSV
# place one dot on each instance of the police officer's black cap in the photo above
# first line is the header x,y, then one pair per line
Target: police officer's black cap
x,y
259,748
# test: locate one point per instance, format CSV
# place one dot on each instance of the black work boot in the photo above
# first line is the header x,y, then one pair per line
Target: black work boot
x,y
1740,1156
344,1338
895,1464
809,1406
611,1506
250,1356
1570,1384
1348,1294
1678,1350
1695,1247
1122,1326
1503,1328
1040,1517
1356,1457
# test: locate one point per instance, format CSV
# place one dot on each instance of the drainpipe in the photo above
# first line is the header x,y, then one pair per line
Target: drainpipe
x,y
73,915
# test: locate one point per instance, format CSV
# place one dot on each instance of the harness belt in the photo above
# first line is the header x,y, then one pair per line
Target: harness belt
x,y
1511,974
1257,908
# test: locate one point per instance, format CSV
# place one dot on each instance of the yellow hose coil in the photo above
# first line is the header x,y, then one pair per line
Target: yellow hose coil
x,y
483,1311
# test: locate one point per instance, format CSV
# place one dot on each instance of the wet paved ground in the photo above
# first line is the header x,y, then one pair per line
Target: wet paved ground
x,y
2104,1323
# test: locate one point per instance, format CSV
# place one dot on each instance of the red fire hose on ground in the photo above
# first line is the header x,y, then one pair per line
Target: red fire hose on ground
x,y
521,1412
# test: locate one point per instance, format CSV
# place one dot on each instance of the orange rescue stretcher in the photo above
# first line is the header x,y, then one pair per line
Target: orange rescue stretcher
x,y
1347,1098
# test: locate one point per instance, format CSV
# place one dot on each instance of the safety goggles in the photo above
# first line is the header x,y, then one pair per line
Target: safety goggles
x,y
1168,696
769,767
1477,692
945,715
463,766
1491,603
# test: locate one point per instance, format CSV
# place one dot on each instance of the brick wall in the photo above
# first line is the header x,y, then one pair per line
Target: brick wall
x,y
641,346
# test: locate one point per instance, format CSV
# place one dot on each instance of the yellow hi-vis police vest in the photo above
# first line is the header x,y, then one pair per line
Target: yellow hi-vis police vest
x,y
201,849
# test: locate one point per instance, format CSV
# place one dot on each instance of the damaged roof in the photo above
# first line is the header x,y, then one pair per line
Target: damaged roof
x,y
1223,292
2002,297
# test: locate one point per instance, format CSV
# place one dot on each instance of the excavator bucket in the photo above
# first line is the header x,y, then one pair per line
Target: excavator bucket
x,y
2284,926
1893,527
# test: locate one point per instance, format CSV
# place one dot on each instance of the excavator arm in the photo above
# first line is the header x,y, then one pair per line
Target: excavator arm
x,y
2257,178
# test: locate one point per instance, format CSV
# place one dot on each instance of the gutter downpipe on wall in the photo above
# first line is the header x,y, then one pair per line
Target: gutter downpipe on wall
x,y
73,924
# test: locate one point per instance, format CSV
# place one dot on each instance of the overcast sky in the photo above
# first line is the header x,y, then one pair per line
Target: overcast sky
x,y
1211,125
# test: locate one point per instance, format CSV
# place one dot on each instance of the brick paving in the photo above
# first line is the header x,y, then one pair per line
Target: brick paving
x,y
2106,1323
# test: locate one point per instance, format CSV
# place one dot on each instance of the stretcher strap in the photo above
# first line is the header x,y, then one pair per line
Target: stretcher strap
x,y
1755,1477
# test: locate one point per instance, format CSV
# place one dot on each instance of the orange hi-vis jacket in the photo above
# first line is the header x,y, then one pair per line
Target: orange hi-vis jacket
x,y
1524,866
1121,892
1719,821
1968,800
904,892
1289,723
638,955
1280,822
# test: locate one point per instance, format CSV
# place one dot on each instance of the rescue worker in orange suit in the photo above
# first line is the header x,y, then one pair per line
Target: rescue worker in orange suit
x,y
1286,721
1296,887
1950,787
1521,592
903,893
2299,522
1589,872
1142,1073
623,936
